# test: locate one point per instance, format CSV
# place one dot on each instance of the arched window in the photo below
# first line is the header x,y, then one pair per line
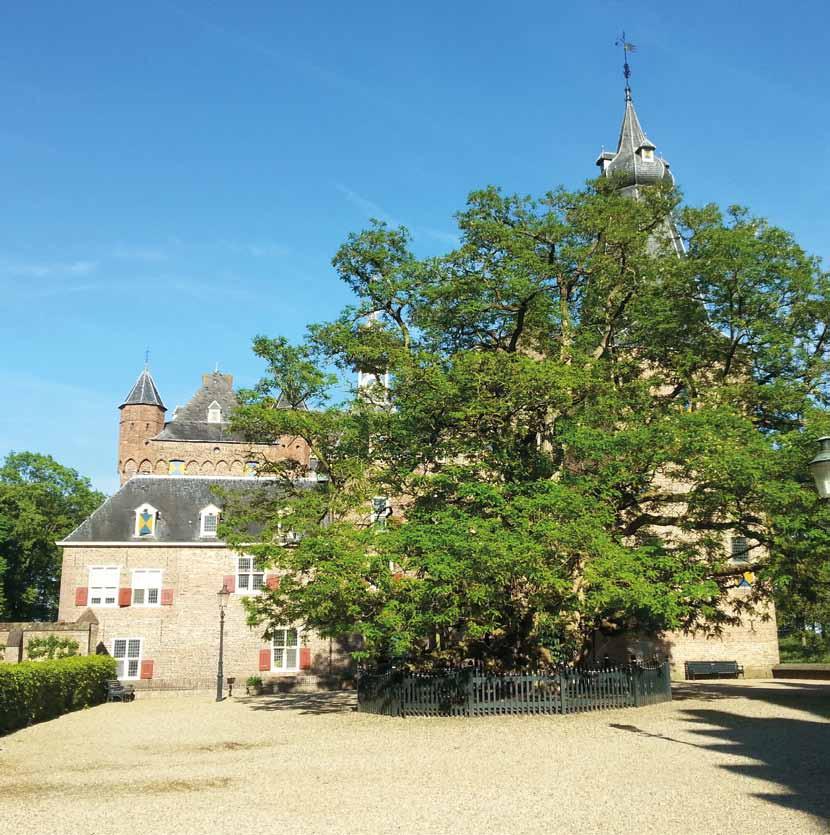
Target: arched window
x,y
146,517
209,521
214,413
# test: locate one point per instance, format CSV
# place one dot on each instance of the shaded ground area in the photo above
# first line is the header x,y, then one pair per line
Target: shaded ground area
x,y
723,757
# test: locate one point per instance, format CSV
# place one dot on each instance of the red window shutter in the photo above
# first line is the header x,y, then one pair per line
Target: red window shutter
x,y
229,581
167,597
264,659
272,581
305,658
125,596
81,595
147,669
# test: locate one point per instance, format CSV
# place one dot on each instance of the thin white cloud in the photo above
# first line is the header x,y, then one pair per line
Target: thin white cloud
x,y
258,249
46,269
366,206
447,238
138,253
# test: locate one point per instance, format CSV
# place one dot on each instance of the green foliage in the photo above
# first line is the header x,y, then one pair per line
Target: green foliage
x,y
577,420
805,647
35,691
40,503
253,681
51,647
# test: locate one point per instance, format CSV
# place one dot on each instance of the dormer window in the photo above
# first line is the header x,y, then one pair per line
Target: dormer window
x,y
647,154
209,521
214,413
146,517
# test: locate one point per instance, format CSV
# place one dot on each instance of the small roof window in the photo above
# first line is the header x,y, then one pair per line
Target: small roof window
x,y
146,517
214,413
209,520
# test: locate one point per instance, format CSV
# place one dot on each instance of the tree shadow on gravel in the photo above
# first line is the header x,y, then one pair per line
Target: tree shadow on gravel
x,y
305,703
808,697
792,753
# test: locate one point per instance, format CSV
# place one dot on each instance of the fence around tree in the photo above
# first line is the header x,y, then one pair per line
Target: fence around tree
x,y
470,691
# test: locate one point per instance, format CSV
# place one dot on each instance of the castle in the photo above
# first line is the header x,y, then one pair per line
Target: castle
x,y
148,563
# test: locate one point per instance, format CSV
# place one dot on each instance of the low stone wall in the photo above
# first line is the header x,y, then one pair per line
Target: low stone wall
x,y
15,636
812,671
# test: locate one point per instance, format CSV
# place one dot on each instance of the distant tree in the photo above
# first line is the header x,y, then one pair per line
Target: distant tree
x,y
40,503
576,422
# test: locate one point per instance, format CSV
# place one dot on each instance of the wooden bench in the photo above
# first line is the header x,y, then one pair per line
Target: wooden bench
x,y
713,669
117,692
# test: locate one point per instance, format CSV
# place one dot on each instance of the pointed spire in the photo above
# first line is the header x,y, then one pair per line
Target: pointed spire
x,y
144,392
634,162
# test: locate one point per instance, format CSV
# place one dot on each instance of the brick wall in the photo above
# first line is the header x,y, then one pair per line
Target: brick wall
x,y
753,644
182,639
138,452
15,637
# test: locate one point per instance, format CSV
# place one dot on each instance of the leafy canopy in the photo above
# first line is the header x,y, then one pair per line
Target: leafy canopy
x,y
41,502
576,420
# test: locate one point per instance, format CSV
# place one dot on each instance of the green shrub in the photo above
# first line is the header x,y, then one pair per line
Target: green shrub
x,y
34,691
51,647
804,647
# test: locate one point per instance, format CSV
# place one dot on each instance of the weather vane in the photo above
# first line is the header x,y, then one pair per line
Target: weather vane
x,y
627,48
147,358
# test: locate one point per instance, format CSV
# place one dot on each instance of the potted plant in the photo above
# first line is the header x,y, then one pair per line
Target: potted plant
x,y
253,686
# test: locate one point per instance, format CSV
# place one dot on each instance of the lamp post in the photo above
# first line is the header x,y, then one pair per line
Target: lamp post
x,y
820,468
223,594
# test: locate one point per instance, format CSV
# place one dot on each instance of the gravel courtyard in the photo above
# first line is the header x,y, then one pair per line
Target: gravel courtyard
x,y
723,757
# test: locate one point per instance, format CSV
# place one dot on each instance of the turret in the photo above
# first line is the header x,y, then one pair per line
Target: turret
x,y
142,418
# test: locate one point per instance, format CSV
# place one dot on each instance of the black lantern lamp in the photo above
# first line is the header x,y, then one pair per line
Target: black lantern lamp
x,y
223,595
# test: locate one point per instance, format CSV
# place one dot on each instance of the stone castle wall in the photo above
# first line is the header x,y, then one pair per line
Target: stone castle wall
x,y
181,638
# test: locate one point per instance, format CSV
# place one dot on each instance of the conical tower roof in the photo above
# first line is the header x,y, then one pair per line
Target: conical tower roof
x,y
635,162
144,392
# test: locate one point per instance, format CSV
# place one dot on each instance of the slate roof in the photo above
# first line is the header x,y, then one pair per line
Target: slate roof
x,y
144,392
191,421
178,500
626,162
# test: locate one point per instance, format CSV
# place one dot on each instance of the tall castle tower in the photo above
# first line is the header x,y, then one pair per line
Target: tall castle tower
x,y
635,163
142,418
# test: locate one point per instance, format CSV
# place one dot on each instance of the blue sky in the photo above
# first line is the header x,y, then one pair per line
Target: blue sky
x,y
178,174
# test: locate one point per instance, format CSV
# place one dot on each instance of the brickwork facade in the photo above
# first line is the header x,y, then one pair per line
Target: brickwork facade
x,y
753,644
143,454
181,636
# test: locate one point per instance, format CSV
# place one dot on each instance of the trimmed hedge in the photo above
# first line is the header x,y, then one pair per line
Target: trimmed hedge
x,y
34,691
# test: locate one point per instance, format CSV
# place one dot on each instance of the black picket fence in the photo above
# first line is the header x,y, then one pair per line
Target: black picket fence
x,y
470,691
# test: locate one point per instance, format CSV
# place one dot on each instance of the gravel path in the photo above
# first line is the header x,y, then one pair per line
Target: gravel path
x,y
721,758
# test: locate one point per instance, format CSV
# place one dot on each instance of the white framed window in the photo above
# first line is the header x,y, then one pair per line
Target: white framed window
x,y
250,578
147,587
209,521
146,517
381,509
103,585
648,155
214,413
127,655
739,549
286,653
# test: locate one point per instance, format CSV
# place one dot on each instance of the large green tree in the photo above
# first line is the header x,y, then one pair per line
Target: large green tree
x,y
40,503
576,420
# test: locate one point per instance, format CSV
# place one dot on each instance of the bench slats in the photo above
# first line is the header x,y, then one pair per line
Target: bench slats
x,y
713,669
